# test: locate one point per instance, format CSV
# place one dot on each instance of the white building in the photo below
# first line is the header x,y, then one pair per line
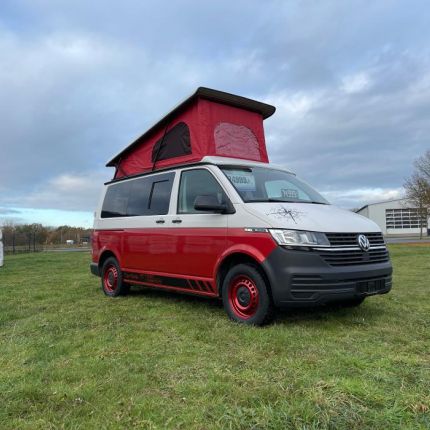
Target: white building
x,y
395,217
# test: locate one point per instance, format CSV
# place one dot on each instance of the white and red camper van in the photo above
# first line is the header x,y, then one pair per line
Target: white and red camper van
x,y
196,207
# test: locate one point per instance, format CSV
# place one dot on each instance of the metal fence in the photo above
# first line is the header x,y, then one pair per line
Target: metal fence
x,y
14,242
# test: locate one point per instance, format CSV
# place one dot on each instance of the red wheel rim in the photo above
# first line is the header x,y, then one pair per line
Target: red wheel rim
x,y
110,278
243,297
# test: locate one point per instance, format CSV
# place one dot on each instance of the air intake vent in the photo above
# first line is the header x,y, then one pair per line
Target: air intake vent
x,y
303,286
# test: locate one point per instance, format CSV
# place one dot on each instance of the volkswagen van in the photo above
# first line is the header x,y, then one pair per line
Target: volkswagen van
x,y
240,229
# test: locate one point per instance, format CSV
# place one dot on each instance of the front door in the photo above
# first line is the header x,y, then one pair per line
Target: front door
x,y
199,237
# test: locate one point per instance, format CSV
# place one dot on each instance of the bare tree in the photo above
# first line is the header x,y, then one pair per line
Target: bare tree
x,y
417,189
422,166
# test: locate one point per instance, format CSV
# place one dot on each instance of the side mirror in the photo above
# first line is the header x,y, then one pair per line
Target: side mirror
x,y
210,203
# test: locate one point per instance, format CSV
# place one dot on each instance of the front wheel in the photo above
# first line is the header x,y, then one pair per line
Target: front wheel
x,y
112,283
245,296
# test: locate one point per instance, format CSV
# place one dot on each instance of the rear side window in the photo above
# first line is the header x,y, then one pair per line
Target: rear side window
x,y
116,199
195,183
159,198
139,197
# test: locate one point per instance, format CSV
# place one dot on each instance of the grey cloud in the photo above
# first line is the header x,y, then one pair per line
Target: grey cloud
x,y
8,211
368,138
69,191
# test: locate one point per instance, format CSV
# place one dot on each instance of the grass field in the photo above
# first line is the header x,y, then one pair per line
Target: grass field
x,y
72,358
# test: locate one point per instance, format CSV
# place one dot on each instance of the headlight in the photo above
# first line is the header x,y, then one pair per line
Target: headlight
x,y
299,238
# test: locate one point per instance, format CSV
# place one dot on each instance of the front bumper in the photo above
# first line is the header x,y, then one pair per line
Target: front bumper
x,y
300,278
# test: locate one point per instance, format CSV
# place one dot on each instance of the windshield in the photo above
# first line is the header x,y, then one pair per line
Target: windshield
x,y
259,184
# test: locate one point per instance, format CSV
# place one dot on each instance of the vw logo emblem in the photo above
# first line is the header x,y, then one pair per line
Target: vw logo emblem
x,y
363,242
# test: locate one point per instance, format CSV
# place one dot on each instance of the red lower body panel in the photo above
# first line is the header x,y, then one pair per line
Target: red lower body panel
x,y
181,259
179,251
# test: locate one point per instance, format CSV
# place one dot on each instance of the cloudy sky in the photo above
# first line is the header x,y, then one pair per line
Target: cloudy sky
x,y
80,80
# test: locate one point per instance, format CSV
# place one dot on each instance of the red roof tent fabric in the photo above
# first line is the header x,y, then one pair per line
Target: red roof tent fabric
x,y
219,124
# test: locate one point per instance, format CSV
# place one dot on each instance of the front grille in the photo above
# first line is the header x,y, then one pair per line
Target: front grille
x,y
350,239
346,257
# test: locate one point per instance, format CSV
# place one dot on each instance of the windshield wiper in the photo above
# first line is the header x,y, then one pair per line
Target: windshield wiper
x,y
273,200
281,200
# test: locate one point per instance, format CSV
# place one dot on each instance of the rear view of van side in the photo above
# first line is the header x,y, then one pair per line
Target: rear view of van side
x,y
243,230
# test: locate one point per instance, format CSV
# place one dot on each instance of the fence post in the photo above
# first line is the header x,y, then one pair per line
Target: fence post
x,y
13,241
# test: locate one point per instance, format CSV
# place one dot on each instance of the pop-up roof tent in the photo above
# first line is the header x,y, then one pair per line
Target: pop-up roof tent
x,y
209,122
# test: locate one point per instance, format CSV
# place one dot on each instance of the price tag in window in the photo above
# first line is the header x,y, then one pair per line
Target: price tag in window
x,y
243,181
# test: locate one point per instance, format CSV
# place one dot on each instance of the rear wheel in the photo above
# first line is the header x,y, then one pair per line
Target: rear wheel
x,y
245,296
112,283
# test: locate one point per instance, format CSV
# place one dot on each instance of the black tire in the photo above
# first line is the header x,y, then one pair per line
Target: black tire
x,y
111,276
352,303
246,297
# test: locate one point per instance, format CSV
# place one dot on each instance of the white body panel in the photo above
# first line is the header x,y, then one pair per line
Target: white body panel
x,y
311,217
297,216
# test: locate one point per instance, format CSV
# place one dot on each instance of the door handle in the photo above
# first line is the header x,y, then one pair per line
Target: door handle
x,y
176,221
160,221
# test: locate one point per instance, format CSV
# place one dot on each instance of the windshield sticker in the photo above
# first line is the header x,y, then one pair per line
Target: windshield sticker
x,y
290,193
243,181
282,212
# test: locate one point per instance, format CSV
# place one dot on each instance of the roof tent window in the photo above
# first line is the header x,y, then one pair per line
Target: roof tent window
x,y
232,140
175,143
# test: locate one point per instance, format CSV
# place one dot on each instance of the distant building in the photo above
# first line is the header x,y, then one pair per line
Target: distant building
x,y
70,242
396,217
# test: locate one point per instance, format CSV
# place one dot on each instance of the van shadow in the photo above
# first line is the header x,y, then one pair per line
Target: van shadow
x,y
368,311
170,296
360,315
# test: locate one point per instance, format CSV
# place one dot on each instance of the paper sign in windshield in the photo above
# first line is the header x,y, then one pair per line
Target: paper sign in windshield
x,y
243,181
290,193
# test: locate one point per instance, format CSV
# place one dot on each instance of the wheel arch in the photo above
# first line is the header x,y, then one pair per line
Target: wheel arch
x,y
239,257
105,255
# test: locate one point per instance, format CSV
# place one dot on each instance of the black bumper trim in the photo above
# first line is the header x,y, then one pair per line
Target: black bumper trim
x,y
304,278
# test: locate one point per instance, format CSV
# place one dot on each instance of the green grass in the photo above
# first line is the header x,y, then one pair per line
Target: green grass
x,y
72,358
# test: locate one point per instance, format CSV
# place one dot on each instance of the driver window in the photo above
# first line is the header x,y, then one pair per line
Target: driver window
x,y
198,182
